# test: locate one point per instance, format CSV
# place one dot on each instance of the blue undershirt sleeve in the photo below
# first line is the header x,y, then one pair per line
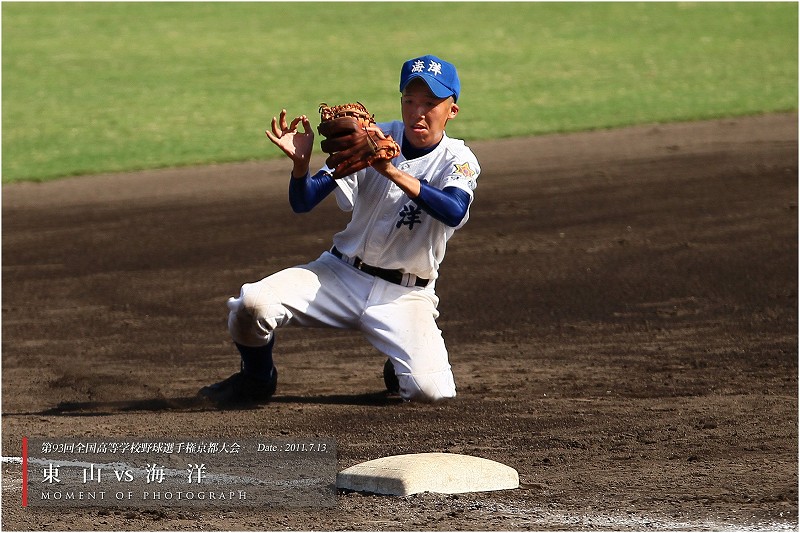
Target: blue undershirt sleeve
x,y
448,205
306,193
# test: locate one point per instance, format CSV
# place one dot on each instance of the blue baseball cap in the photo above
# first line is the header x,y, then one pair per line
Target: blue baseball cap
x,y
440,75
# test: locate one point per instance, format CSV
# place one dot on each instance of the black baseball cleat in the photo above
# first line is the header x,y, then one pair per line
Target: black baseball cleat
x,y
390,378
241,389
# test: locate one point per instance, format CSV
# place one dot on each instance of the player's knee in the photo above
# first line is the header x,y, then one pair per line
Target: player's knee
x,y
249,320
241,325
252,297
427,387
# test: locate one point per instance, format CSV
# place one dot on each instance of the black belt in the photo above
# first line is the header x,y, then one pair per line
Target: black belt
x,y
393,276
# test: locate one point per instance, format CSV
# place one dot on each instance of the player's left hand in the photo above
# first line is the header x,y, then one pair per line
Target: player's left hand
x,y
353,139
383,166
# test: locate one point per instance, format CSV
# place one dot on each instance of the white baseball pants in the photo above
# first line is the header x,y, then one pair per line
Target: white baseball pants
x,y
399,321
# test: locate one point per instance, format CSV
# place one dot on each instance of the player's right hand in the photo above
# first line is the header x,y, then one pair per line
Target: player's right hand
x,y
296,145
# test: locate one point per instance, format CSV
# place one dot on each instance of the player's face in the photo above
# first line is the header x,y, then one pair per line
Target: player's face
x,y
424,114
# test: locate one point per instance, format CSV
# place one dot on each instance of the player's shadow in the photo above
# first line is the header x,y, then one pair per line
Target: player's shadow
x,y
194,403
372,398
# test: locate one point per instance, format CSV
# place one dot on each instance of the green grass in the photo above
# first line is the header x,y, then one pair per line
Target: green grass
x,y
103,87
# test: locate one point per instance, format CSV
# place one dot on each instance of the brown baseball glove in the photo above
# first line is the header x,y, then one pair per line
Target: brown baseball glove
x,y
352,139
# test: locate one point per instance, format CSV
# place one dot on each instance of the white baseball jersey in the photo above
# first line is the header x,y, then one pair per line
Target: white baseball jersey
x,y
388,229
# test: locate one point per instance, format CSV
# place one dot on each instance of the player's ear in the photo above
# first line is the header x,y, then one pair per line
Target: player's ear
x,y
453,111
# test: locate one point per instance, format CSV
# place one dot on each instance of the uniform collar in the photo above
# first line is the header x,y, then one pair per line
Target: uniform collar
x,y
409,152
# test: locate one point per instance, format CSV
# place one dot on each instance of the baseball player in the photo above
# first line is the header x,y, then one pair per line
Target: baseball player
x,y
379,275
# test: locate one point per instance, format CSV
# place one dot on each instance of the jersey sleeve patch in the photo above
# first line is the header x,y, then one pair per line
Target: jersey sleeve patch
x,y
464,169
464,175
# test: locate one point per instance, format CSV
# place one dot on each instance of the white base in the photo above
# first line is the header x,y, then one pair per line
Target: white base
x,y
444,473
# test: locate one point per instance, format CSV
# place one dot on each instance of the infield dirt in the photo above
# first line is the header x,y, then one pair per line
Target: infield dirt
x,y
621,313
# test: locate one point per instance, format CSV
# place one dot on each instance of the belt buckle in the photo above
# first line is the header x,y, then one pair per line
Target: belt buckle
x,y
357,263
